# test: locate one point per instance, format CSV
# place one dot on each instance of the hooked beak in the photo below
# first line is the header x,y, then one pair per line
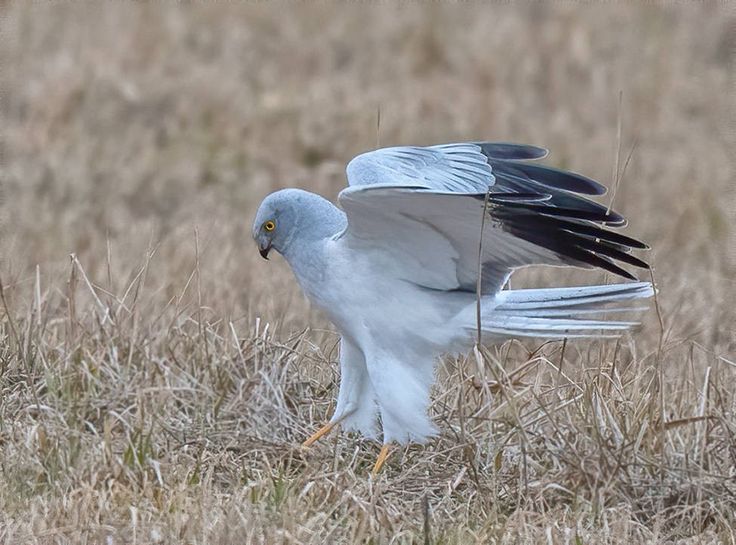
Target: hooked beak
x,y
263,250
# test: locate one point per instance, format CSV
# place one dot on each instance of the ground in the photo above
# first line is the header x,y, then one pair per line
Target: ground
x,y
157,377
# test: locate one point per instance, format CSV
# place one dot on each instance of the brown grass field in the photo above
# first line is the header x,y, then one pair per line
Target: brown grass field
x,y
157,377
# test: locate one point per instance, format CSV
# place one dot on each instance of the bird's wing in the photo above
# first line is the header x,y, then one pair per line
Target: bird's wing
x,y
468,167
429,230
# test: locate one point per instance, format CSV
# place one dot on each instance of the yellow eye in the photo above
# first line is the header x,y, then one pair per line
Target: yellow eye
x,y
269,226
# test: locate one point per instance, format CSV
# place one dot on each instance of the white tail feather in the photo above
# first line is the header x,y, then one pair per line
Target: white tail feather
x,y
563,312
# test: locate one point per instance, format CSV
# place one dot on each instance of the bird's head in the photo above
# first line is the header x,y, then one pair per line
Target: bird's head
x,y
290,212
274,223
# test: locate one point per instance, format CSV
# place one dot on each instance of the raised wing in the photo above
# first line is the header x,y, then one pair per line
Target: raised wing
x,y
468,167
427,222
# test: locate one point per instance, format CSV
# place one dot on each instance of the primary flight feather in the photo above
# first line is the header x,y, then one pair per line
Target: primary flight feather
x,y
396,270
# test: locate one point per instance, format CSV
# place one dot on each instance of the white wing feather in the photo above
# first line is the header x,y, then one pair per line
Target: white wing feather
x,y
459,168
432,238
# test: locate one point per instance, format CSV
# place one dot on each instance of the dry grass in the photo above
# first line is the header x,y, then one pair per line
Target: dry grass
x,y
155,386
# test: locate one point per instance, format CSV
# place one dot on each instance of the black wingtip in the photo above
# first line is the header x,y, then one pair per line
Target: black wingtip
x,y
577,237
509,151
600,215
561,179
518,197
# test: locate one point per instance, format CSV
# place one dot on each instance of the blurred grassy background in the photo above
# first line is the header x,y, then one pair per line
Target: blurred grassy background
x,y
128,127
138,122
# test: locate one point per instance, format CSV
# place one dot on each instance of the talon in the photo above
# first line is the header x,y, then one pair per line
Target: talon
x,y
385,451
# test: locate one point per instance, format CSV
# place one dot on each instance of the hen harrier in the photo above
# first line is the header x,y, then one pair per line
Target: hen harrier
x,y
398,269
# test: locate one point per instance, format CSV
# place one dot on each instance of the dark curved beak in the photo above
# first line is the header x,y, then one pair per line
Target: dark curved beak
x,y
264,250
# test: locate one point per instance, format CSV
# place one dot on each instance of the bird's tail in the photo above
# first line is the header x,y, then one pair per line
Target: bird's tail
x,y
589,311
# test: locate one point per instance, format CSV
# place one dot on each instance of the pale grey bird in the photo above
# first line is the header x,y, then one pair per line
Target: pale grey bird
x,y
396,270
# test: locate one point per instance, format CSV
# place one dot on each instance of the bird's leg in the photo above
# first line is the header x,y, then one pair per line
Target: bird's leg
x,y
385,451
324,430
327,428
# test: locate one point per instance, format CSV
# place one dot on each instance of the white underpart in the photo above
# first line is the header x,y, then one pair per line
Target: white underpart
x,y
356,401
389,347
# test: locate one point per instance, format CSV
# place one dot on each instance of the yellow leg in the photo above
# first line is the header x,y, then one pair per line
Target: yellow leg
x,y
324,430
381,459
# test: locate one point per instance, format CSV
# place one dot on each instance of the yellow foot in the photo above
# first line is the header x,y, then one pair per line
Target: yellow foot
x,y
324,430
381,459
